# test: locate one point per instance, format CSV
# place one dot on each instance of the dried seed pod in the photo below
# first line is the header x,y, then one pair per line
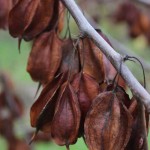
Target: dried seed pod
x,y
5,6
29,18
45,16
92,59
70,59
21,16
138,139
42,111
45,57
87,89
108,123
66,120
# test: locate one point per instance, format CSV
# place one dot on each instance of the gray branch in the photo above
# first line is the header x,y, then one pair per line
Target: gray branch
x,y
114,57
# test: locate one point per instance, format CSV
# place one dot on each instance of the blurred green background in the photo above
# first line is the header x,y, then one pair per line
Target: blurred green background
x,y
14,64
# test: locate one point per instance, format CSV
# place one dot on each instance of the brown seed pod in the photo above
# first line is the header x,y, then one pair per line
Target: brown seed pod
x,y
138,139
45,57
29,18
42,111
92,59
87,89
70,58
66,120
108,123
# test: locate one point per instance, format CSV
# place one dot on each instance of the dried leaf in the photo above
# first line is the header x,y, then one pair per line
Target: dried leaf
x,y
45,57
108,123
66,120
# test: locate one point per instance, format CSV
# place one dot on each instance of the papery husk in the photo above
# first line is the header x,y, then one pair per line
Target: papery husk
x,y
66,121
45,57
108,123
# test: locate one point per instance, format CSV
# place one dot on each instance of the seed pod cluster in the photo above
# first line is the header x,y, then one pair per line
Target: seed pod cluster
x,y
79,98
79,95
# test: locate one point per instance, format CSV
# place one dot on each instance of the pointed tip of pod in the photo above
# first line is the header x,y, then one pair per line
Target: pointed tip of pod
x,y
33,137
19,44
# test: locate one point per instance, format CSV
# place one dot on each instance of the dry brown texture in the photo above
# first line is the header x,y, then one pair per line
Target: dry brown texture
x,y
66,120
138,139
45,57
108,123
42,111
87,89
29,18
70,59
92,59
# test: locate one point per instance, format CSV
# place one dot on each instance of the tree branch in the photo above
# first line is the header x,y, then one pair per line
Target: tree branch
x,y
114,57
